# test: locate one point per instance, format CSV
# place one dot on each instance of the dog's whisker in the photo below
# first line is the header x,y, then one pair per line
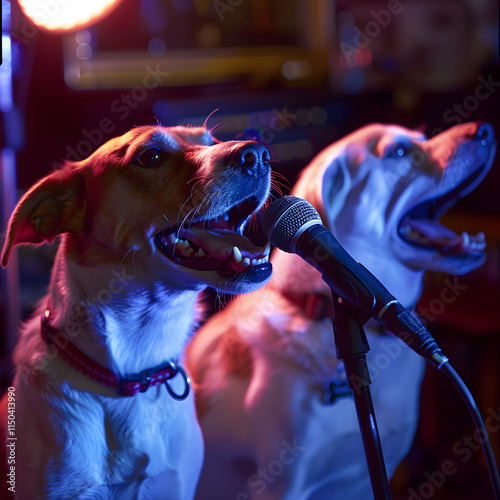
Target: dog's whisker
x,y
279,181
218,127
277,186
190,198
208,117
207,201
218,302
182,224
195,180
179,224
125,256
280,175
193,216
218,196
193,299
198,190
196,211
133,260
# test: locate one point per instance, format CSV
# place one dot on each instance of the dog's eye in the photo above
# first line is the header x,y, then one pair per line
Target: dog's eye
x,y
152,157
396,151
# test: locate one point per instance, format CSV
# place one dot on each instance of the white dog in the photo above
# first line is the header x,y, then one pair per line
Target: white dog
x,y
147,221
260,366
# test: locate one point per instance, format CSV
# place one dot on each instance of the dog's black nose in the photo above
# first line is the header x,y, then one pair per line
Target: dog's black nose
x,y
253,159
485,133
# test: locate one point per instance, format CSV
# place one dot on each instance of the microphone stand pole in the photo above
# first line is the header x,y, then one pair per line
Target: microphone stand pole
x,y
352,346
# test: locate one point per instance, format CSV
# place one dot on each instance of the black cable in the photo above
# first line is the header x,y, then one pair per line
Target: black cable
x,y
478,422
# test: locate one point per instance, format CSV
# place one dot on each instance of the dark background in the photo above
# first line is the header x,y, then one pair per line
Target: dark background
x,y
297,75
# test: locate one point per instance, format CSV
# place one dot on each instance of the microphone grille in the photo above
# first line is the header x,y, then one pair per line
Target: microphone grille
x,y
285,217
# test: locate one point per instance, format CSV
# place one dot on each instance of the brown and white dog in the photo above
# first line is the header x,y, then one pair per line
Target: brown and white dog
x,y
147,221
260,366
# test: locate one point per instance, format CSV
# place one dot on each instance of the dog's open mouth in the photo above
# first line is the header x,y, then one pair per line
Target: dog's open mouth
x,y
217,244
420,226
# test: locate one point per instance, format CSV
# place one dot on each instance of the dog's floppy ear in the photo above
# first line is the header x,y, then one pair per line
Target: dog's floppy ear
x,y
54,205
325,183
335,185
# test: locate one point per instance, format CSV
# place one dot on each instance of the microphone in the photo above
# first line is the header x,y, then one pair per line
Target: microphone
x,y
294,226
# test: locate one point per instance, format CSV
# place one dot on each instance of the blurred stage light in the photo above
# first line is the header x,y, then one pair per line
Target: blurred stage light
x,y
66,15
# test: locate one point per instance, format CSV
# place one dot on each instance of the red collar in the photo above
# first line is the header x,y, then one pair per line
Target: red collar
x,y
315,305
125,386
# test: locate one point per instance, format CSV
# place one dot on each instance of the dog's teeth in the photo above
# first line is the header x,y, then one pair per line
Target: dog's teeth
x,y
267,249
480,236
408,229
171,238
201,252
185,248
466,238
226,217
246,261
237,255
478,245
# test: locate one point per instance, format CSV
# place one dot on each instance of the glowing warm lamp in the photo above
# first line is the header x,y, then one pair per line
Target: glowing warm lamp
x,y
66,15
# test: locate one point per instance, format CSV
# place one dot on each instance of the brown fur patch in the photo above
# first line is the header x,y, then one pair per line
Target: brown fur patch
x,y
237,358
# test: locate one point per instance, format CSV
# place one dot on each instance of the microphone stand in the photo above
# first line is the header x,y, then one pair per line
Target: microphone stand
x,y
352,346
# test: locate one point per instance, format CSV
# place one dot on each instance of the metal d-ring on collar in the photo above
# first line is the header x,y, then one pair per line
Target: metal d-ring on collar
x,y
187,383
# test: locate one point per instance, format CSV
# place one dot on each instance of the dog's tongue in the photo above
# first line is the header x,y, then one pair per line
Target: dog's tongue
x,y
434,231
220,242
444,239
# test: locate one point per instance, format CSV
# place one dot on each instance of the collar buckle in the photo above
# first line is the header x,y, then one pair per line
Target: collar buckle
x,y
145,384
